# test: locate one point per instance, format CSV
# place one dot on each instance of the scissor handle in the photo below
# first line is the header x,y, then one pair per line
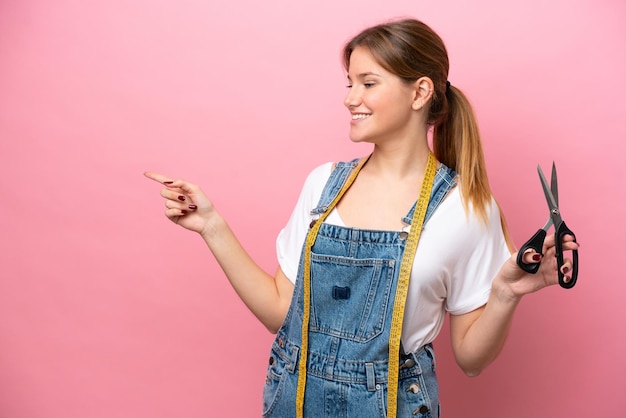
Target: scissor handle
x,y
535,243
561,231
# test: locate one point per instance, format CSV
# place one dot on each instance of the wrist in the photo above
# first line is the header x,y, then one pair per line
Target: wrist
x,y
214,222
504,292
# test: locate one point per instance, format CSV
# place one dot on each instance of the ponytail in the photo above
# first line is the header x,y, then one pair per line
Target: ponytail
x,y
457,144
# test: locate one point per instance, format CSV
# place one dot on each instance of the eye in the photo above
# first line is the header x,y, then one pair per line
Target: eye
x,y
349,86
369,85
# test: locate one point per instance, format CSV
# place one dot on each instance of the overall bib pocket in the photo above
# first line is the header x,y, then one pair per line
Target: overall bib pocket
x,y
353,293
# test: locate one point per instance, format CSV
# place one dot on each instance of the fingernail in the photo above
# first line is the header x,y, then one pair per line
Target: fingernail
x,y
536,257
193,207
181,198
565,270
168,182
184,212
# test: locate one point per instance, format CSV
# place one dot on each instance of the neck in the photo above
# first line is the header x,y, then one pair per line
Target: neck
x,y
400,160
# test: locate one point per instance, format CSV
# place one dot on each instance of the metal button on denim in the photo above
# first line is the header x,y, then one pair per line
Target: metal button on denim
x,y
414,387
421,410
408,363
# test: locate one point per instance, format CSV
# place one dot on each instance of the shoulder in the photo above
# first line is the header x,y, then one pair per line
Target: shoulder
x,y
455,213
327,173
314,184
317,178
320,173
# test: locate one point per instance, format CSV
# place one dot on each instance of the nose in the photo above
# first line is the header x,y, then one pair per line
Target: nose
x,y
353,99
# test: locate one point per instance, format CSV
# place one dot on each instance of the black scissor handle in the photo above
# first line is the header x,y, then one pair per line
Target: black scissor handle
x,y
561,231
535,243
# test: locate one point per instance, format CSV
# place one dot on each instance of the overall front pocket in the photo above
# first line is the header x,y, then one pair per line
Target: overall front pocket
x,y
349,297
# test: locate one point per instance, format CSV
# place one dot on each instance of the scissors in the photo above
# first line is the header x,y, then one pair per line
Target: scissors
x,y
536,242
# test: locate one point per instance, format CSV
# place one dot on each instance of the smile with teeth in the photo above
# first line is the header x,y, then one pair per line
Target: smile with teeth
x,y
357,116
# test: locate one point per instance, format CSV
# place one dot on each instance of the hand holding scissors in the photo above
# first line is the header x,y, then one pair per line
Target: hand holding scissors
x,y
536,242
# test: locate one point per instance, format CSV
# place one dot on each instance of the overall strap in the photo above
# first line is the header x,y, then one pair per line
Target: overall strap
x,y
334,184
445,180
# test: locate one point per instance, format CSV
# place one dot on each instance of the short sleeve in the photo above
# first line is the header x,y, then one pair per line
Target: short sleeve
x,y
482,249
291,238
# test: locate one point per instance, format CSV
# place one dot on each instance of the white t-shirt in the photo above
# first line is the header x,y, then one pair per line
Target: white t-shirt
x,y
456,260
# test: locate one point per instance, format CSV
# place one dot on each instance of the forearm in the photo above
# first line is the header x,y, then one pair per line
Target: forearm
x,y
187,206
266,299
485,337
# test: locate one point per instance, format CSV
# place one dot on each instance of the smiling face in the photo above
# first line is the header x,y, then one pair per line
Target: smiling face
x,y
381,104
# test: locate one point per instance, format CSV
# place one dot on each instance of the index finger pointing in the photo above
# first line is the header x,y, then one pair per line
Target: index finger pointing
x,y
158,177
181,185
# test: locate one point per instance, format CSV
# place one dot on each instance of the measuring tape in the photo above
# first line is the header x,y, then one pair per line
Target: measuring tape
x,y
401,290
403,285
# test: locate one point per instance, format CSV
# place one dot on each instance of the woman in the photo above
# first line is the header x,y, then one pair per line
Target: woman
x,y
351,300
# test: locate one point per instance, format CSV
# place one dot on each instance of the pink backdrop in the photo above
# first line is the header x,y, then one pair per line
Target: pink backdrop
x,y
108,310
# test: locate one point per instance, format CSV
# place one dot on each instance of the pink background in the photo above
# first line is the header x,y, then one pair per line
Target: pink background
x,y
108,310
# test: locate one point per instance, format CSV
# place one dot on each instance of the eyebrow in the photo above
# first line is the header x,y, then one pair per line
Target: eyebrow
x,y
363,75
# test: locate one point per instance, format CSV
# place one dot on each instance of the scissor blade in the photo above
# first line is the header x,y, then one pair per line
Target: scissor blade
x,y
552,204
554,184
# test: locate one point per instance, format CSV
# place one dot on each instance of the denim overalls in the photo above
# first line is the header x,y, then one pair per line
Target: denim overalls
x,y
354,273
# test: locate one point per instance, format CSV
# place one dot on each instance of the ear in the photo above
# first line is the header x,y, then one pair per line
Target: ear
x,y
423,92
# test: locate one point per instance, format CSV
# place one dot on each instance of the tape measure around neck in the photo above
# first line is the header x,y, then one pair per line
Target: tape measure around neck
x,y
401,289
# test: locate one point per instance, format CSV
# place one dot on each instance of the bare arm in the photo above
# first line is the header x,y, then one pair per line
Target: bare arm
x,y
268,297
478,336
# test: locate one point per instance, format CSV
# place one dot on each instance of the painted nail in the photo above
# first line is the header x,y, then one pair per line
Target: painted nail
x,y
168,182
181,198
565,270
536,257
193,207
184,212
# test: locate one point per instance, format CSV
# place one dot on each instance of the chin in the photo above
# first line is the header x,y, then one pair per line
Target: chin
x,y
360,138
